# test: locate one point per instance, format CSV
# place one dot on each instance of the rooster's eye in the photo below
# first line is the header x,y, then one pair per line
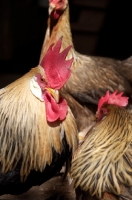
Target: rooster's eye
x,y
42,80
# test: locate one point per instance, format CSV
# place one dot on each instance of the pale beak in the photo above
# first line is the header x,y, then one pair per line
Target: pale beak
x,y
54,93
51,8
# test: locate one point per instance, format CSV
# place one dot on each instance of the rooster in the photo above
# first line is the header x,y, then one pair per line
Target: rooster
x,y
102,163
37,132
91,76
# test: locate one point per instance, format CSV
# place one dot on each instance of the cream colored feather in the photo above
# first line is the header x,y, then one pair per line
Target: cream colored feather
x,y
24,131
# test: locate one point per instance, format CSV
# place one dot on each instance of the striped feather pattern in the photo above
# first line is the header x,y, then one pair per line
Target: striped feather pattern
x,y
104,160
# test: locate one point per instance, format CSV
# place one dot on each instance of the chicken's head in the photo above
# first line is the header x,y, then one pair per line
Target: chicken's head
x,y
55,73
56,8
113,99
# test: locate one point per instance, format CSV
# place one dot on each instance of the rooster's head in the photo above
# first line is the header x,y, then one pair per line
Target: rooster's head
x,y
112,99
57,7
55,72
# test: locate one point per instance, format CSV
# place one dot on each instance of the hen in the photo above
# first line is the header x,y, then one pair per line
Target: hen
x,y
102,164
91,76
37,132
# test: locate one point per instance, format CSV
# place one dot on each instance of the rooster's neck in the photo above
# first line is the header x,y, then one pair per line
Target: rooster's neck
x,y
55,30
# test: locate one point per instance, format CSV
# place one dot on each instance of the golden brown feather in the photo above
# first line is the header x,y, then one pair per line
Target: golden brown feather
x,y
102,163
91,76
28,135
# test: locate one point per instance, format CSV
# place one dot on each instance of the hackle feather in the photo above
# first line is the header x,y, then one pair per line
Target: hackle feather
x,y
103,161
25,134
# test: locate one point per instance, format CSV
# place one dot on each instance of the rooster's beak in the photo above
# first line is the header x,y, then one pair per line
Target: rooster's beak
x,y
51,7
54,93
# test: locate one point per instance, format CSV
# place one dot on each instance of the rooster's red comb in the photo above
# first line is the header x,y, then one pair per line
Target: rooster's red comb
x,y
115,98
57,68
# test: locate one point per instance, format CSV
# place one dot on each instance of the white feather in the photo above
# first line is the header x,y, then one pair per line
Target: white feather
x,y
35,89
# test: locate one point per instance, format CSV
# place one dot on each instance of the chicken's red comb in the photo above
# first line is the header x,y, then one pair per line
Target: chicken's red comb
x,y
54,1
57,68
115,98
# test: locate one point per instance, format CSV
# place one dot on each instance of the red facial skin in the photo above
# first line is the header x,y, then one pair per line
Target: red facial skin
x,y
59,6
54,110
41,81
101,114
56,73
110,99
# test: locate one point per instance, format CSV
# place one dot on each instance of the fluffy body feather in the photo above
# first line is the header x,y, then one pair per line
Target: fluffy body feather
x,y
32,150
91,76
102,164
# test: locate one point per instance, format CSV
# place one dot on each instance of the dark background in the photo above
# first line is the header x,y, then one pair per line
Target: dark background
x,y
99,27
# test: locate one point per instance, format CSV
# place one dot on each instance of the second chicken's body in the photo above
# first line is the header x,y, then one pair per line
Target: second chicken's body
x,y
102,164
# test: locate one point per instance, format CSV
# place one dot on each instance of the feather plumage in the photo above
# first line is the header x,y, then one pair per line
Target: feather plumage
x,y
91,76
102,163
30,146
